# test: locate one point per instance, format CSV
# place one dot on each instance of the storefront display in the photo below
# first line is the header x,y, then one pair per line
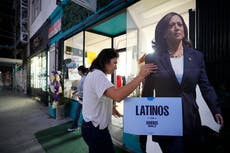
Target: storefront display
x,y
38,75
131,32
73,57
37,64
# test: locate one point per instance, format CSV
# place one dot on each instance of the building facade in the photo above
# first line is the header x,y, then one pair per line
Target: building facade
x,y
76,33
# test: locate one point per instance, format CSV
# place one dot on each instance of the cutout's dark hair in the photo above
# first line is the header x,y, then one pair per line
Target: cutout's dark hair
x,y
160,43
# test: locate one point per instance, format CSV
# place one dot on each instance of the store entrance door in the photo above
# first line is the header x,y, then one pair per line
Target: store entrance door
x,y
110,33
94,43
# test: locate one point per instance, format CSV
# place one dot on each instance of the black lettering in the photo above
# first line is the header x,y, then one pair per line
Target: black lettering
x,y
153,110
151,123
137,110
147,110
160,110
142,111
166,112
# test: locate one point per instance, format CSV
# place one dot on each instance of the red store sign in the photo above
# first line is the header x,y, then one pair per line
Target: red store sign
x,y
55,28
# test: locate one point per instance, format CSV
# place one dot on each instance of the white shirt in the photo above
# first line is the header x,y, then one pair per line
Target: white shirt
x,y
96,107
178,67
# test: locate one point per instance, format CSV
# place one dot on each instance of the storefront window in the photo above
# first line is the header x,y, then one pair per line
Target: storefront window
x,y
35,72
94,43
51,61
38,72
73,58
38,75
122,72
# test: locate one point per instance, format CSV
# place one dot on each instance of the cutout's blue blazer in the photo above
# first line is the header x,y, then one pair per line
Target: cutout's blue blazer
x,y
165,83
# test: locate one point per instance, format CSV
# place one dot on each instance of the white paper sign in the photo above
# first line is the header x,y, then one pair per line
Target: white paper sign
x,y
153,116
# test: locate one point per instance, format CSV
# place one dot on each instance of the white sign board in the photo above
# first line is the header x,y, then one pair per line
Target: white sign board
x,y
153,116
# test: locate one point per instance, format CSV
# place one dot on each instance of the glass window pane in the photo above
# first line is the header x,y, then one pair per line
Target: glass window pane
x,y
94,43
73,58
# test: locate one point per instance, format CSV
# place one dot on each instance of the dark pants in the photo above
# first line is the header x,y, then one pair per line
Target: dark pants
x,y
143,141
78,113
167,144
171,144
98,141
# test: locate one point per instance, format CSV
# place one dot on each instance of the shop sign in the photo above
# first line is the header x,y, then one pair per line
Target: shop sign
x,y
36,42
55,28
153,116
88,4
73,51
40,39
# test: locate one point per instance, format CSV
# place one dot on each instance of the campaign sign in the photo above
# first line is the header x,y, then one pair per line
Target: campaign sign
x,y
153,116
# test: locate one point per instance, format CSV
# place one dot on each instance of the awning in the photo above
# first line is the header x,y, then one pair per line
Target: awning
x,y
10,61
112,27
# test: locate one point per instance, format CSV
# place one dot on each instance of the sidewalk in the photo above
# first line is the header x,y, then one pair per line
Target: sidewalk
x,y
20,118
